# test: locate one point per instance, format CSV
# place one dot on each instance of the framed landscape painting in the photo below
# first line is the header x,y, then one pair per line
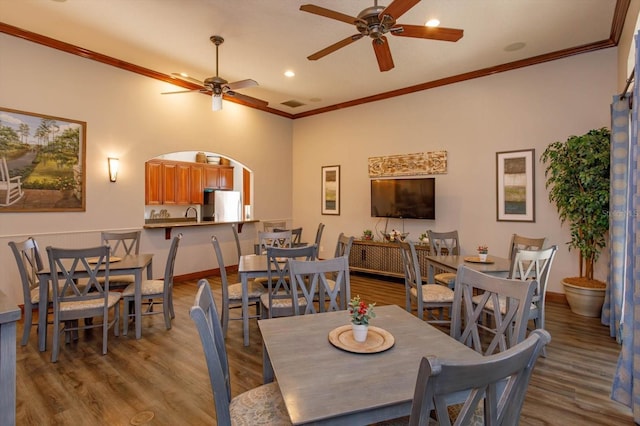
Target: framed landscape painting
x,y
42,163
515,186
331,190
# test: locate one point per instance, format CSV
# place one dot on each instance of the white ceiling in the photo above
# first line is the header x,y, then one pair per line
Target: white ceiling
x,y
263,38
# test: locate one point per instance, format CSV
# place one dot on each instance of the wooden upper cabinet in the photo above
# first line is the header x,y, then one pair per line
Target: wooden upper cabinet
x,y
170,183
183,183
196,189
153,183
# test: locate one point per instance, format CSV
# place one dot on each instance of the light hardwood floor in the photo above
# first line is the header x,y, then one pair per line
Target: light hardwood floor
x,y
162,378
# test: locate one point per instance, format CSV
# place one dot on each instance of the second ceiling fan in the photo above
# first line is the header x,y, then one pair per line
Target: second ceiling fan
x,y
217,86
375,22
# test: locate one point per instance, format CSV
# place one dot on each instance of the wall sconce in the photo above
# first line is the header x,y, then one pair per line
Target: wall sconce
x,y
114,165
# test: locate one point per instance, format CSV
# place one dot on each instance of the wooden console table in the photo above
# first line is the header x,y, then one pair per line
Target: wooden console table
x,y
382,258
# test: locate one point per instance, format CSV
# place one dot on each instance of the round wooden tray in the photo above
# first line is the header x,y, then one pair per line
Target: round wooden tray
x,y
476,259
111,259
378,340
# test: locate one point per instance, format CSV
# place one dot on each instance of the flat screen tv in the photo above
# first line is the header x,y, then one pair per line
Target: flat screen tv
x,y
404,198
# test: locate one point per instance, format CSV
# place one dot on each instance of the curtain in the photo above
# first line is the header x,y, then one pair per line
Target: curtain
x,y
627,376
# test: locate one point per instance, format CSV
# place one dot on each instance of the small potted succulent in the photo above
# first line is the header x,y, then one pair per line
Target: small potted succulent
x,y
360,313
367,234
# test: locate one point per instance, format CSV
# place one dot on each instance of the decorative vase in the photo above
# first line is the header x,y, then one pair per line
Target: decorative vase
x,y
483,257
584,301
360,332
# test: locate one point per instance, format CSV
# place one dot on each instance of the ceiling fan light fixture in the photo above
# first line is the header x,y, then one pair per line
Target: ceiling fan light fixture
x,y
432,23
216,102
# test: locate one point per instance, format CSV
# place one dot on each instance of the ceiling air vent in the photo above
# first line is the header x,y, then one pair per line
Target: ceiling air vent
x,y
292,103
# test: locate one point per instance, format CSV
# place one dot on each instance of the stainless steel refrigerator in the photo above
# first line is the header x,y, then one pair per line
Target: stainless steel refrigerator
x,y
222,206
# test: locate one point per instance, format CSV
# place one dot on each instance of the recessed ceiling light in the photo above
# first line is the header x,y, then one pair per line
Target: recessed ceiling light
x,y
432,23
289,73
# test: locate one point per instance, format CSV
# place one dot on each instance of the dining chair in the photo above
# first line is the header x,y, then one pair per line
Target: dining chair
x,y
11,185
272,239
441,244
519,242
427,297
29,261
343,246
277,301
77,293
311,278
270,226
296,235
319,232
122,244
236,237
529,265
262,405
154,290
232,293
509,328
493,387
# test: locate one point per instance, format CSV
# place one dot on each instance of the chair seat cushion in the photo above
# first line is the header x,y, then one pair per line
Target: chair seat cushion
x,y
148,287
447,278
259,406
284,302
501,300
264,281
434,293
235,291
114,298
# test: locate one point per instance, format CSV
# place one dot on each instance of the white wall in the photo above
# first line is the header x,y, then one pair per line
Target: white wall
x,y
521,109
128,118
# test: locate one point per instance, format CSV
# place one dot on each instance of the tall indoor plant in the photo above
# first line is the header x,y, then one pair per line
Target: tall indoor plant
x,y
577,176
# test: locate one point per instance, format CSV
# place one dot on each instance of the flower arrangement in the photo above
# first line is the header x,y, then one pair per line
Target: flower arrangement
x,y
367,234
396,235
360,312
424,238
482,249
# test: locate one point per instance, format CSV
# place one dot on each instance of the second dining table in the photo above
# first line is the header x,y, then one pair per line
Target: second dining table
x,y
323,384
132,264
494,265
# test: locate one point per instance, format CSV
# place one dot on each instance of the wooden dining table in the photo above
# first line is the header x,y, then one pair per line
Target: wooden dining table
x,y
132,264
322,384
494,265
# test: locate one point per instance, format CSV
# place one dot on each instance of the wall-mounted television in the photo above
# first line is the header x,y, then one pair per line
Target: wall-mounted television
x,y
413,198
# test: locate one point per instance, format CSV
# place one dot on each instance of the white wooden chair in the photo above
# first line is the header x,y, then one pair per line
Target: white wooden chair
x,y
310,279
12,186
493,387
519,242
261,405
122,244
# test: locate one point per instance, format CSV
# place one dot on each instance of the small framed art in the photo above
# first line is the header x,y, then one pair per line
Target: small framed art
x,y
331,190
515,186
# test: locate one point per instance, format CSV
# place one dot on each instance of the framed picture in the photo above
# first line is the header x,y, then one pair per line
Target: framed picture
x,y
42,163
515,185
331,190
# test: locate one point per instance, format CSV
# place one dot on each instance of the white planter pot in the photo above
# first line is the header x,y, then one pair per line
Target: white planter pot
x,y
483,257
584,301
359,332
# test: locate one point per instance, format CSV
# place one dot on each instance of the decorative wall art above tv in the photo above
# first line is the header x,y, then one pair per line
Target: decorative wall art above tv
x,y
421,163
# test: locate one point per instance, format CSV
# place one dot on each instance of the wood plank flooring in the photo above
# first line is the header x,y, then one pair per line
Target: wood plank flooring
x,y
162,379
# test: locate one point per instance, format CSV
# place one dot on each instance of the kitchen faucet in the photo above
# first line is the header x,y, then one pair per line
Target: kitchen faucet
x,y
186,214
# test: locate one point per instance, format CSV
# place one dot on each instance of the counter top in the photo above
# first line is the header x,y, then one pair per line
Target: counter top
x,y
171,223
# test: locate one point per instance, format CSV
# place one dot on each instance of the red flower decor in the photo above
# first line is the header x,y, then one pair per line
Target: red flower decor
x,y
360,312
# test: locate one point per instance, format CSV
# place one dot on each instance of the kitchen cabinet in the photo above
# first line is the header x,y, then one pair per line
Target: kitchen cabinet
x,y
183,183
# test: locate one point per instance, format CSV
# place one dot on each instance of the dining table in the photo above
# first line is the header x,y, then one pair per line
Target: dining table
x,y
493,265
324,380
132,264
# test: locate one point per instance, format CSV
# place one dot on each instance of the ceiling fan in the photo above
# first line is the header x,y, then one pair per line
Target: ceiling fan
x,y
375,22
217,86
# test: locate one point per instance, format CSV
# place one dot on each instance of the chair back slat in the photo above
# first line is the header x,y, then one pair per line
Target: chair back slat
x,y
328,279
520,242
122,243
444,243
343,246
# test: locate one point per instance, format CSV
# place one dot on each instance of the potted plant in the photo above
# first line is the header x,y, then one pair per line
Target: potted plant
x,y
360,313
577,174
367,234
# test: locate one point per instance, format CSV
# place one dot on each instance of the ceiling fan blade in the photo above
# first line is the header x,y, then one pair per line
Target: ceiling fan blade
x,y
317,10
241,84
187,78
185,91
342,43
246,99
398,8
383,53
433,33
